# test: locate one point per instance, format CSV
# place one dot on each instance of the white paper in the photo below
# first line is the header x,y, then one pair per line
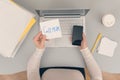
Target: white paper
x,y
51,29
107,47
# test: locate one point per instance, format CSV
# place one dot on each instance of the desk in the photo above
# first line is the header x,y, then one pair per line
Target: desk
x,y
69,56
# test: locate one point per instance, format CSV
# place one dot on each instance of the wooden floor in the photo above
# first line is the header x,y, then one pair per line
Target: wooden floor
x,y
23,76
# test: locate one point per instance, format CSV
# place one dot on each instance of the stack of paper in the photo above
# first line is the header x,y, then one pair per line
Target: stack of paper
x,y
15,23
107,47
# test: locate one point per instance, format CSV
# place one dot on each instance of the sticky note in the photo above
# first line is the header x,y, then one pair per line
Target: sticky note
x,y
107,47
51,29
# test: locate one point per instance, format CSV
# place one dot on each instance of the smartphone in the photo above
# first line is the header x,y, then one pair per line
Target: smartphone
x,y
77,35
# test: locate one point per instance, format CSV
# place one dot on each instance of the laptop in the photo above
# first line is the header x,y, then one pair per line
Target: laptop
x,y
67,18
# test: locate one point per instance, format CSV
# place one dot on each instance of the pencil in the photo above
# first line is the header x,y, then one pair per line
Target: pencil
x,y
96,42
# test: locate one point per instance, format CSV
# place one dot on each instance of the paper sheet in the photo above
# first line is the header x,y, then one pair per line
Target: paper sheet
x,y
51,29
107,47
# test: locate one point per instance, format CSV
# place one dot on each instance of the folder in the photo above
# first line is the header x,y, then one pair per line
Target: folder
x,y
29,26
31,23
15,23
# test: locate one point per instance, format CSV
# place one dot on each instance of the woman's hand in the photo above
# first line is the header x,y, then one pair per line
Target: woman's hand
x,y
84,42
39,40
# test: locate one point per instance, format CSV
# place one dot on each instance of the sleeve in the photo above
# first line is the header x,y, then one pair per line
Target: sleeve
x,y
34,65
92,66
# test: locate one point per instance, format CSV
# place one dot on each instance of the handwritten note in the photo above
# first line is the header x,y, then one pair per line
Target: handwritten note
x,y
51,29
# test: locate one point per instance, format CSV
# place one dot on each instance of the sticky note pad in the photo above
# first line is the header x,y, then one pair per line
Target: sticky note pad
x,y
107,47
51,29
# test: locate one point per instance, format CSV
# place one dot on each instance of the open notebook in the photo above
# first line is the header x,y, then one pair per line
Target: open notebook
x,y
15,23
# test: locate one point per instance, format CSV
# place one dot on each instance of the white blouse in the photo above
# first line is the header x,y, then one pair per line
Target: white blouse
x,y
62,74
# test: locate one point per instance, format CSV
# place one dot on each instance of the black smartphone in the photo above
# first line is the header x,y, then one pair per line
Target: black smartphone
x,y
77,35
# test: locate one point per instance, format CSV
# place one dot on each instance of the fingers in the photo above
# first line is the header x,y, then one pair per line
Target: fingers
x,y
84,42
39,39
43,39
38,36
84,36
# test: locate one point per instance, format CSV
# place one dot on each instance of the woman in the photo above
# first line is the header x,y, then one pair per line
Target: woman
x,y
61,72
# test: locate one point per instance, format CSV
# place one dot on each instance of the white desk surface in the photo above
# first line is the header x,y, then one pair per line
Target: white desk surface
x,y
69,56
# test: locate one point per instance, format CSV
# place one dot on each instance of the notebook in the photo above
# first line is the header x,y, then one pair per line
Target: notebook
x,y
15,23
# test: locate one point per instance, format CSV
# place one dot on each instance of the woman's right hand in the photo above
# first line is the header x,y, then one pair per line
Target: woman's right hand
x,y
84,42
39,40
